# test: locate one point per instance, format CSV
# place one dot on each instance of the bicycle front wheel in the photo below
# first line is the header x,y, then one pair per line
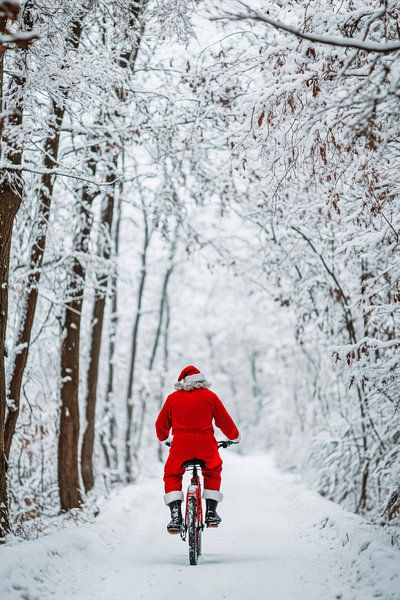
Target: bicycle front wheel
x,y
193,532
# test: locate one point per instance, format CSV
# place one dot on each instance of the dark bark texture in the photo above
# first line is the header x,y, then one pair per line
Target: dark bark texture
x,y
9,204
68,445
95,346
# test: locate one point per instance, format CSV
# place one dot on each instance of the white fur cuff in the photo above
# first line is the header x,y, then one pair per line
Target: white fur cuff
x,y
212,495
172,496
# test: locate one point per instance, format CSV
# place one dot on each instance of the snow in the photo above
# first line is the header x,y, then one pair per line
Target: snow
x,y
278,541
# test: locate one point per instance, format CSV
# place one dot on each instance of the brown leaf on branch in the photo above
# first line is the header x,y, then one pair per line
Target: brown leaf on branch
x,y
10,9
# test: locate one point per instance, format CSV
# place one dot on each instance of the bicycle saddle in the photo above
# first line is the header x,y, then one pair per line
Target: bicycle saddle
x,y
192,462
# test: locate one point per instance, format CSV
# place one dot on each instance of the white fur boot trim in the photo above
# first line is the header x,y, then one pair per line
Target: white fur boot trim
x,y
212,495
172,496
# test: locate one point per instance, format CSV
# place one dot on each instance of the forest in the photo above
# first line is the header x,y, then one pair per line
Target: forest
x,y
193,181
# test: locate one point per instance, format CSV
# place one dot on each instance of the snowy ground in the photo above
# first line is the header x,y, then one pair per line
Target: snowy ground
x,y
278,541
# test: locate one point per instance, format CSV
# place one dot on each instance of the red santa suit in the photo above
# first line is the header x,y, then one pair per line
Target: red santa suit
x,y
190,412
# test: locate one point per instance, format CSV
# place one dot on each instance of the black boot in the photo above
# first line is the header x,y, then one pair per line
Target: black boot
x,y
212,517
174,526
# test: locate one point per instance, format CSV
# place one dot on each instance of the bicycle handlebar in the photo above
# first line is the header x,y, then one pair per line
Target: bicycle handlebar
x,y
226,443
221,443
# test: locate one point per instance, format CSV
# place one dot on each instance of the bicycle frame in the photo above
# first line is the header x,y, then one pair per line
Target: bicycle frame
x,y
194,491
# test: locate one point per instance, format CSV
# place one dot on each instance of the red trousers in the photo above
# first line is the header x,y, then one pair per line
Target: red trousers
x,y
186,446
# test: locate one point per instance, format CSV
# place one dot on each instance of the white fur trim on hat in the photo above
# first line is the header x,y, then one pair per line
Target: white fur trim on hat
x,y
192,385
212,495
172,496
194,378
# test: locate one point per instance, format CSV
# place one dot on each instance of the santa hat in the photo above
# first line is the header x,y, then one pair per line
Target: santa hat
x,y
191,374
191,379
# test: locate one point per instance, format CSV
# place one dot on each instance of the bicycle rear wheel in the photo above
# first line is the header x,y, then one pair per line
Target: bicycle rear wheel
x,y
198,530
193,532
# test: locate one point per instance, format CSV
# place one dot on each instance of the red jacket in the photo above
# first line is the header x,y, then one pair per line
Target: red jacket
x,y
194,411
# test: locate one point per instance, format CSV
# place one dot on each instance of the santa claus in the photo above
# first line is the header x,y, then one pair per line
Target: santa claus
x,y
190,412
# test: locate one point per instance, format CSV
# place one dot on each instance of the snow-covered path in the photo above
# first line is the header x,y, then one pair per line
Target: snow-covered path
x,y
278,541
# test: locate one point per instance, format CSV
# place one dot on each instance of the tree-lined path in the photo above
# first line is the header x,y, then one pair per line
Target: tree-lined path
x,y
278,541
214,183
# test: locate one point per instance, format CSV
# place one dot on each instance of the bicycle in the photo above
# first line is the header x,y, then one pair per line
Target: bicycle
x,y
193,524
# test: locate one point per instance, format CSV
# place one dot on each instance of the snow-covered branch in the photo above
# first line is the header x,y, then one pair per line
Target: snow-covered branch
x,y
331,40
10,10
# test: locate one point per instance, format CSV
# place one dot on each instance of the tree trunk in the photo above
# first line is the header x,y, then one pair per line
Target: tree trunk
x,y
165,362
109,430
163,299
68,441
11,187
163,314
95,345
127,61
135,337
51,149
145,393
32,284
9,204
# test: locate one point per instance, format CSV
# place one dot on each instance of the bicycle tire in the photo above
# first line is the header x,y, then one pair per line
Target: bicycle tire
x,y
198,541
193,537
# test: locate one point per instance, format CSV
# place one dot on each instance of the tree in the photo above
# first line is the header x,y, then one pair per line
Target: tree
x,y
46,189
68,441
318,117
126,61
11,187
